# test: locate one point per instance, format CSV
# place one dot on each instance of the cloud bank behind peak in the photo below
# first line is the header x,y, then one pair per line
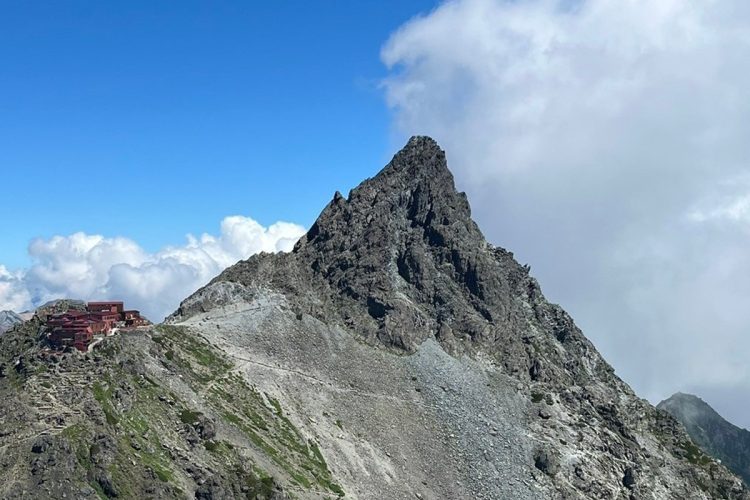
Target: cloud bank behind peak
x,y
605,142
92,267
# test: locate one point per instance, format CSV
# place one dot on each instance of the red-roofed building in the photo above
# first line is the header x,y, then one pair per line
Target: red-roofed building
x,y
77,328
133,318
114,307
72,335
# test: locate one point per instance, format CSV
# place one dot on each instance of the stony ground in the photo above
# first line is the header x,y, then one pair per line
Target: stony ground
x,y
392,426
431,425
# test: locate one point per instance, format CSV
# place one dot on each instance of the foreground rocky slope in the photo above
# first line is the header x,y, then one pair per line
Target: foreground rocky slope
x,y
711,432
393,354
154,413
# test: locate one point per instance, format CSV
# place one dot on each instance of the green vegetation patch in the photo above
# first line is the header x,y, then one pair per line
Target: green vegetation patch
x,y
104,396
694,454
261,418
191,353
189,417
141,426
78,437
139,446
145,422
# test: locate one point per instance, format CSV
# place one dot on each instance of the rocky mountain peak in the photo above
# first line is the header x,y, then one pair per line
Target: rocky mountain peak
x,y
398,271
400,261
420,166
404,246
416,189
716,436
687,402
691,411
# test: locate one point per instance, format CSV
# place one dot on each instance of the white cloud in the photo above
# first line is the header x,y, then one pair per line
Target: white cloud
x,y
728,203
12,296
90,267
602,141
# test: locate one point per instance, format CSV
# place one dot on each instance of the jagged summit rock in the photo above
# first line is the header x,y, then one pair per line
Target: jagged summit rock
x,y
402,238
715,435
420,163
415,192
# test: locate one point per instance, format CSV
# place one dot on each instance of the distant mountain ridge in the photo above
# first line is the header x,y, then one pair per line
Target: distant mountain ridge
x,y
714,434
9,319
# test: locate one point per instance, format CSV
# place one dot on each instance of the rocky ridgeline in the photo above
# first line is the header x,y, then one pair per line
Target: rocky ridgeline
x,y
393,354
711,432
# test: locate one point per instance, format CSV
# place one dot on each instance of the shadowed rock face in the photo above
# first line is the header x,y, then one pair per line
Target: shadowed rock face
x,y
711,432
399,264
404,248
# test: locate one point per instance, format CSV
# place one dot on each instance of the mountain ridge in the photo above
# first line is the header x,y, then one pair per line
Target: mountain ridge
x,y
394,353
712,432
413,195
400,262
9,319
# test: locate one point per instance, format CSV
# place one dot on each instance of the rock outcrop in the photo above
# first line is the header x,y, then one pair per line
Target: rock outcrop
x,y
711,432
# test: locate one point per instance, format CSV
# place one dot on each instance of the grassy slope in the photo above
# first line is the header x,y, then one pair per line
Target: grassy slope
x,y
156,413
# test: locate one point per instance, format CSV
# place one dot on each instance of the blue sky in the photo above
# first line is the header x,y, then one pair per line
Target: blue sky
x,y
151,120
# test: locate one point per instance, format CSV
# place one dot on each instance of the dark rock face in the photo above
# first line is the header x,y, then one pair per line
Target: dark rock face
x,y
41,444
547,462
629,479
104,480
711,432
404,248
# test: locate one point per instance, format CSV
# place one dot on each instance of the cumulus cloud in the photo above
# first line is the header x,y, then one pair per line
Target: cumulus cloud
x,y
12,296
605,142
92,267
